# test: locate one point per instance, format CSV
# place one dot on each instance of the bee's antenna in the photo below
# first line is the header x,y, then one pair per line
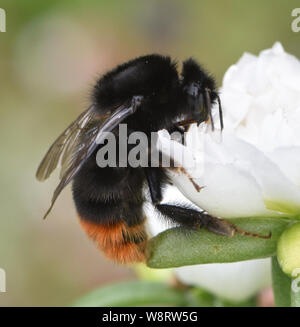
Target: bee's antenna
x,y
208,104
220,111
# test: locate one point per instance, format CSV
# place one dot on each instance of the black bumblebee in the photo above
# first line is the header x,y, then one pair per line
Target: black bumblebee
x,y
148,95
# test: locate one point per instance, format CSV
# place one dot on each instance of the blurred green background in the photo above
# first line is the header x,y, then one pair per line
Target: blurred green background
x,y
50,56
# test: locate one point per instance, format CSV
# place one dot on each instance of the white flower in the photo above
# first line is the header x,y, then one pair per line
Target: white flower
x,y
254,170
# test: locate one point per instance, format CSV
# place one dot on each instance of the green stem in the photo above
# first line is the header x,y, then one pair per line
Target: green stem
x,y
295,292
281,285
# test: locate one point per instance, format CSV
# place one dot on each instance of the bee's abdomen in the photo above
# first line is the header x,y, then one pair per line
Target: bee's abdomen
x,y
122,243
109,202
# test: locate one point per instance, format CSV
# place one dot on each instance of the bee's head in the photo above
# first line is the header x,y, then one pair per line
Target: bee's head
x,y
200,92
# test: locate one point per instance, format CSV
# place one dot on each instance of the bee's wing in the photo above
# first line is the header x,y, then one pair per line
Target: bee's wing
x,y
75,145
61,144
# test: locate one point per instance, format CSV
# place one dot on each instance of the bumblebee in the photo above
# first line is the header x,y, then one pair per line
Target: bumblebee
x,y
147,94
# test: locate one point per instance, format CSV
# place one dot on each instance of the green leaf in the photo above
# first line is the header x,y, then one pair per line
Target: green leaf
x,y
180,247
281,285
134,293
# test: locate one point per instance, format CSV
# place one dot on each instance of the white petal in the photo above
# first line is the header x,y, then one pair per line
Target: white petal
x,y
232,281
282,67
235,106
288,160
276,187
277,48
228,192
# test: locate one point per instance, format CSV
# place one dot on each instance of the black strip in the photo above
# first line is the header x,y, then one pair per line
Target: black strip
x,y
94,317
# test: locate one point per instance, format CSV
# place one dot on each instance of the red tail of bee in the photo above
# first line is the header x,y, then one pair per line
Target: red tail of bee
x,y
122,243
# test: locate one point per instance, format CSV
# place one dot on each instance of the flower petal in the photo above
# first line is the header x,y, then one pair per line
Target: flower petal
x,y
279,192
228,192
232,281
288,160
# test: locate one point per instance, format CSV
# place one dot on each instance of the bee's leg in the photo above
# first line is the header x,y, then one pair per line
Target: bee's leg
x,y
188,217
197,219
183,171
155,184
194,219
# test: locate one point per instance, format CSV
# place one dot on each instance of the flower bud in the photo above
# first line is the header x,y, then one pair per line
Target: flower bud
x,y
288,250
